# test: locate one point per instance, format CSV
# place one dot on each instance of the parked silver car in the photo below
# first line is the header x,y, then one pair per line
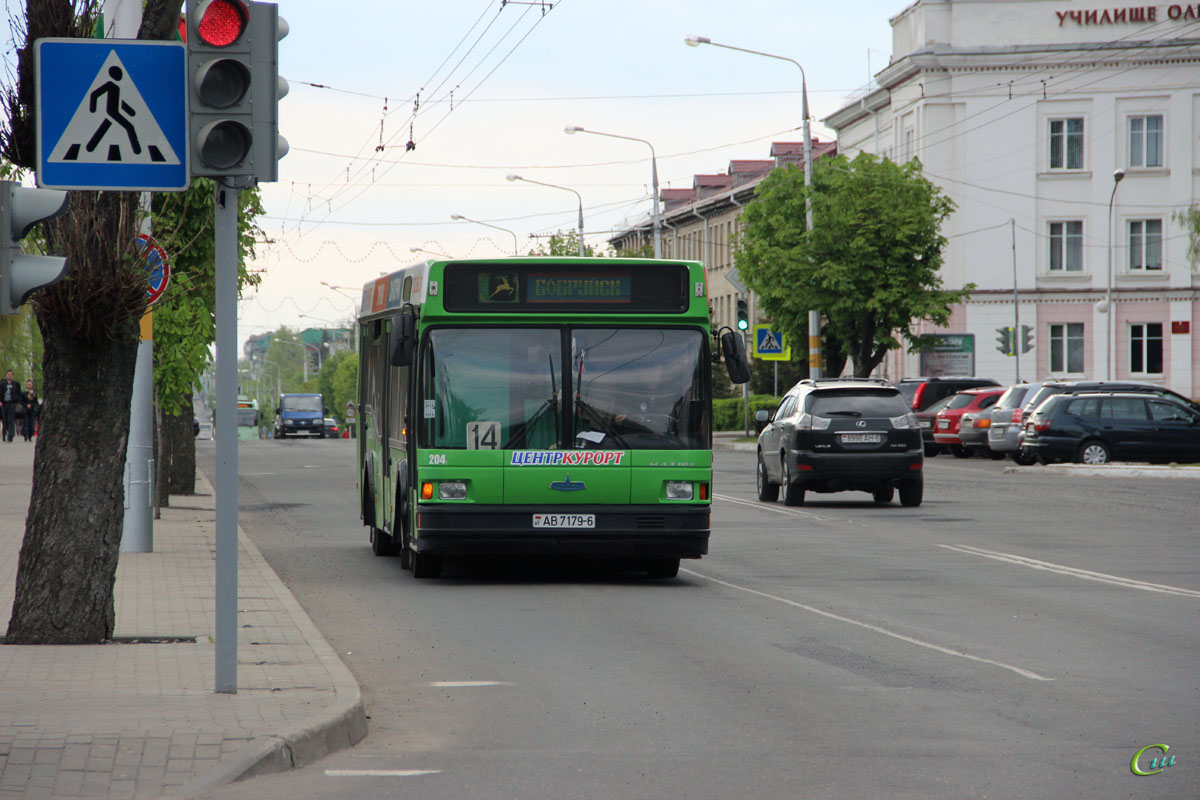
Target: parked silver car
x,y
1006,419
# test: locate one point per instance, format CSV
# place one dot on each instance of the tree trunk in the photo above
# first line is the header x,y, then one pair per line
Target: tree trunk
x,y
68,561
179,450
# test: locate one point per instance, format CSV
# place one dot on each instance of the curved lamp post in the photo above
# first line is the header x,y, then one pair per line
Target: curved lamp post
x,y
573,129
512,176
461,218
1105,306
814,317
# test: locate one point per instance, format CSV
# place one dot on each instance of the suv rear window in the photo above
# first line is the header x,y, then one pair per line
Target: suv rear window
x,y
960,401
857,403
1013,397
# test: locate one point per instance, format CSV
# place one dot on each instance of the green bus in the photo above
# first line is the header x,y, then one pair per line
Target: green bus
x,y
539,406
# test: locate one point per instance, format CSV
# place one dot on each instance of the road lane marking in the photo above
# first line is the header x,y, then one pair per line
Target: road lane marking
x,y
1024,673
791,512
1087,575
466,684
379,773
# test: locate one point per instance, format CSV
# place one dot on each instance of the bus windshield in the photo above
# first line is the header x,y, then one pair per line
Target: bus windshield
x,y
504,388
247,417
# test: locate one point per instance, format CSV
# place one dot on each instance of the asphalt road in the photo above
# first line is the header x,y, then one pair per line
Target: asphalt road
x,y
1018,635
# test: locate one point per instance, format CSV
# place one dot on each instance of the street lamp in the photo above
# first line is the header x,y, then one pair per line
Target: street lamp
x,y
423,250
342,291
1105,305
460,217
514,177
573,129
306,349
814,317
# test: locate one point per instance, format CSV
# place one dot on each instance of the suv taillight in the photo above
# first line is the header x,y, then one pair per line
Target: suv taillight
x,y
1018,416
917,397
1039,424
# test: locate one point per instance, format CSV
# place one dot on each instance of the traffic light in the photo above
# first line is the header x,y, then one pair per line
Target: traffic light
x,y
20,209
1026,338
1004,341
743,314
234,88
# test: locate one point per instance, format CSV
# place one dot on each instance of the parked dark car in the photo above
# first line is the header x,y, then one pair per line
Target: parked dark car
x,y
962,425
841,435
1050,388
332,431
924,392
1098,427
925,419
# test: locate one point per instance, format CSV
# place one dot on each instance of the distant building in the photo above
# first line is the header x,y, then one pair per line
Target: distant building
x,y
1022,110
701,223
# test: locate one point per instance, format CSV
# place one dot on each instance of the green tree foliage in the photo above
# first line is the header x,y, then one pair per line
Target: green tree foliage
x,y
870,266
563,243
185,317
338,382
1189,218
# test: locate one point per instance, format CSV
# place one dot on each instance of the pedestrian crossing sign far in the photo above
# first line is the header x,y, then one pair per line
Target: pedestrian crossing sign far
x,y
112,114
770,345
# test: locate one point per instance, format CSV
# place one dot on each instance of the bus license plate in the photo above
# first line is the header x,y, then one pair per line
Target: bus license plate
x,y
564,520
862,438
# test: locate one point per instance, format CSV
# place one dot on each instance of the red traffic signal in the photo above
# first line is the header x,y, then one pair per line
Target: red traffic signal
x,y
221,22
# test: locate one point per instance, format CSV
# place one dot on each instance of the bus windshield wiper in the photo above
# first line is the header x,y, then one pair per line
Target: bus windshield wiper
x,y
551,402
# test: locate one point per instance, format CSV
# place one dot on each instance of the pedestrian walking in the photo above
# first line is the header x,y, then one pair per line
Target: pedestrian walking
x,y
10,398
33,410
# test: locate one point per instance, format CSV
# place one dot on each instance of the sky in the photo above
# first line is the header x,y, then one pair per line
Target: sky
x,y
484,88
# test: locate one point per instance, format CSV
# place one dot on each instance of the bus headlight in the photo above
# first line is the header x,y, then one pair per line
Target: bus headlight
x,y
679,490
452,490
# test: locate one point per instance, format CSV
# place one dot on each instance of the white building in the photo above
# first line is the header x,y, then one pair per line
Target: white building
x,y
1022,111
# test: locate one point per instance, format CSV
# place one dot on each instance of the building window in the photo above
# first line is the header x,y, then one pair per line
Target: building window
x,y
1146,141
1146,348
1066,246
1066,348
1145,244
1066,143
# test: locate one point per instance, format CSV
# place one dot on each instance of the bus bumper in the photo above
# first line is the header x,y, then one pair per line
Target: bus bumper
x,y
632,532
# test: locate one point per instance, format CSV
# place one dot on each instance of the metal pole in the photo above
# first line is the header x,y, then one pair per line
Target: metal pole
x,y
1108,297
1016,303
226,436
657,216
814,317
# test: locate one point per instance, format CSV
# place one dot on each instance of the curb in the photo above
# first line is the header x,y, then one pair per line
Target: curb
x,y
341,724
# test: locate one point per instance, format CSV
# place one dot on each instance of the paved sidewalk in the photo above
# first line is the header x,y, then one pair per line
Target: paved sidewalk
x,y
134,720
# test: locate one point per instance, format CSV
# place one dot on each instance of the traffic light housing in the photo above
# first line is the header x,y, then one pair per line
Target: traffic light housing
x,y
1004,341
743,314
1026,338
21,208
234,88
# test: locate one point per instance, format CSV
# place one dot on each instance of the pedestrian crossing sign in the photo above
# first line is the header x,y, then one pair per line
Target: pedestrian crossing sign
x,y
111,114
770,345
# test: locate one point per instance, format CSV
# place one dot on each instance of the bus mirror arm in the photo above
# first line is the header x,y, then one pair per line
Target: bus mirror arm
x,y
402,339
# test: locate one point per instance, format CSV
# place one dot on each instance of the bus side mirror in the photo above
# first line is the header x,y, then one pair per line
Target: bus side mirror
x,y
402,339
736,363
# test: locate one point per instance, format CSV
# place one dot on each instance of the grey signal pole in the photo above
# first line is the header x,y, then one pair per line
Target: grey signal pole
x,y
226,438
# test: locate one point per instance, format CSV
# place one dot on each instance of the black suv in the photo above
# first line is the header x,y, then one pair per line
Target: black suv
x,y
841,435
921,393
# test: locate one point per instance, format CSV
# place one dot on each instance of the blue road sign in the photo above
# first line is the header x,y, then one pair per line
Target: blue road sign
x,y
111,114
770,345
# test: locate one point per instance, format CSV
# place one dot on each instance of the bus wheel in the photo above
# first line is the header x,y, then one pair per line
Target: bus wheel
x,y
381,543
662,567
425,565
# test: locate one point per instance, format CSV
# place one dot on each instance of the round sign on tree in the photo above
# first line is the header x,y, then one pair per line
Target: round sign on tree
x,y
158,271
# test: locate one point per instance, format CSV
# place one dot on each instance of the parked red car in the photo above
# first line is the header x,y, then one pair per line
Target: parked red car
x,y
945,424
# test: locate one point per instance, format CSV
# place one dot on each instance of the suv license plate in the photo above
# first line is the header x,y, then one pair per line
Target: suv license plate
x,y
564,520
862,438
